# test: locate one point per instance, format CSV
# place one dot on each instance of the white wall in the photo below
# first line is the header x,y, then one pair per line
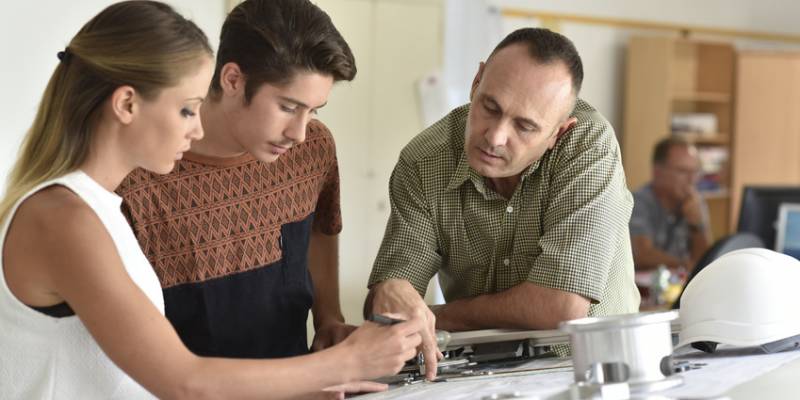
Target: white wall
x,y
602,48
32,32
372,117
761,15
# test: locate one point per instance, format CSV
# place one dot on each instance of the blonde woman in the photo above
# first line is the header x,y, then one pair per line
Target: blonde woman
x,y
81,310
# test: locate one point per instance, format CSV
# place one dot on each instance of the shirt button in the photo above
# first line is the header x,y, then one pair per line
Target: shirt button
x,y
506,262
509,209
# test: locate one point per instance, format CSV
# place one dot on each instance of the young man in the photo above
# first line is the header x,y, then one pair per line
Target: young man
x,y
517,200
243,232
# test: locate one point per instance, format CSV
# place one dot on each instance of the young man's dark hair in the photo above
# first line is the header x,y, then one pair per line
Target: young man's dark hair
x,y
547,46
271,40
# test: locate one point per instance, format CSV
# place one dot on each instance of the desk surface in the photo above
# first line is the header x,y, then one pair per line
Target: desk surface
x,y
778,384
719,374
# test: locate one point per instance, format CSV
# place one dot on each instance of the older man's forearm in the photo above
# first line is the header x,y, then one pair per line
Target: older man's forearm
x,y
525,306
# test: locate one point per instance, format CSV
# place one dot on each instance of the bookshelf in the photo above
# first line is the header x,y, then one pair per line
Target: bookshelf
x,y
667,78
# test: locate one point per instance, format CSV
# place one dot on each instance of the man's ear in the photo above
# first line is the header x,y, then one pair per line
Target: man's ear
x,y
563,128
232,79
566,126
477,80
124,104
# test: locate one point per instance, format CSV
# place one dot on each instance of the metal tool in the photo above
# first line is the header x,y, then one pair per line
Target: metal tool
x,y
384,320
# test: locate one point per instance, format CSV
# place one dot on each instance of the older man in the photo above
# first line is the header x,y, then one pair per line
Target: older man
x,y
670,224
517,199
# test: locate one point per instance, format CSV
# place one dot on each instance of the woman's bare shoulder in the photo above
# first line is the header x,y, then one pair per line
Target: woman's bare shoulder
x,y
55,215
54,235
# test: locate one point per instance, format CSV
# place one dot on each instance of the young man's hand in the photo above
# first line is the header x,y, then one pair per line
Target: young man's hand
x,y
397,296
330,334
375,350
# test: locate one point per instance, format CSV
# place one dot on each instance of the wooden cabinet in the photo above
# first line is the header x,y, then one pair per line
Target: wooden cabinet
x,y
754,95
667,77
766,147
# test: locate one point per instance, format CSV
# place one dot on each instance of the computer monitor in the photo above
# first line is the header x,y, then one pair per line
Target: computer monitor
x,y
759,210
788,239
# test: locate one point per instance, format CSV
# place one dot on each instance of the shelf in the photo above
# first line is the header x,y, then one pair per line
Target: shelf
x,y
665,78
704,97
715,138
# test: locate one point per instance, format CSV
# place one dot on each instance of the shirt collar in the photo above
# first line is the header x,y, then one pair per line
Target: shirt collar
x,y
533,167
461,174
464,171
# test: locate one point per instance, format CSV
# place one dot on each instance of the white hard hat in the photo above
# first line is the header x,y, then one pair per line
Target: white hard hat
x,y
744,298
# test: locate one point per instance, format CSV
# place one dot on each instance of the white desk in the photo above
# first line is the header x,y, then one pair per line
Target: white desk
x,y
780,384
720,374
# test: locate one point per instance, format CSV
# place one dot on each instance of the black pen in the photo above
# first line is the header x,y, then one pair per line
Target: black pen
x,y
384,320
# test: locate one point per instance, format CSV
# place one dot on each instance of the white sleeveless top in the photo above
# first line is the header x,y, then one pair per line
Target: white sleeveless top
x,y
43,357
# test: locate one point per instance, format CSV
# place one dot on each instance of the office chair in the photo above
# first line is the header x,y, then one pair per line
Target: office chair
x,y
727,244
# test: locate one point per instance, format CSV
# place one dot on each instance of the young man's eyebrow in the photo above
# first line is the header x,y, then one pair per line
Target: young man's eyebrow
x,y
300,103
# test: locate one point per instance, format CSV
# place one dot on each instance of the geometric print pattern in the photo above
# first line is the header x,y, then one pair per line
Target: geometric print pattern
x,y
212,217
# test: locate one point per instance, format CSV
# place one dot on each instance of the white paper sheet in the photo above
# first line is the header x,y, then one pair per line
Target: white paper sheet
x,y
540,384
724,369
554,375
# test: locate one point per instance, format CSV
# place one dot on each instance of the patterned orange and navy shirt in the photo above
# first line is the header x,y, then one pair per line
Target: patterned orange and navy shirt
x,y
228,238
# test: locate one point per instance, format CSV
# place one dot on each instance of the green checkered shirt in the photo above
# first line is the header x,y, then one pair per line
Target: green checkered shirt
x,y
565,227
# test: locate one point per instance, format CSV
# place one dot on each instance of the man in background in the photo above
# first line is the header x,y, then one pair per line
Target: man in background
x,y
669,225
